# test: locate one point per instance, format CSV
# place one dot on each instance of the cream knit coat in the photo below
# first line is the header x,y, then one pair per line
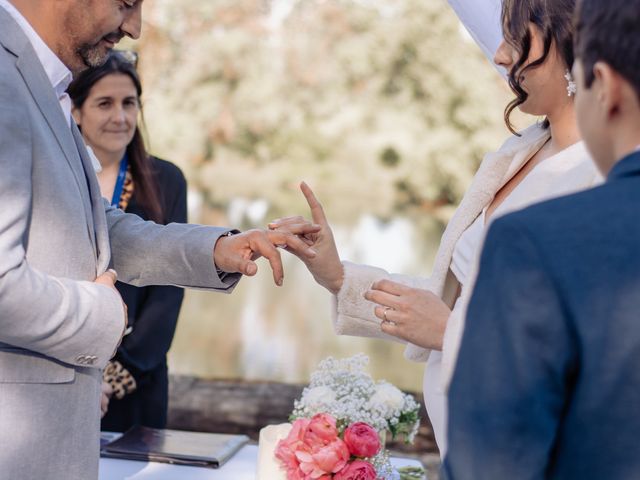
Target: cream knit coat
x,y
353,315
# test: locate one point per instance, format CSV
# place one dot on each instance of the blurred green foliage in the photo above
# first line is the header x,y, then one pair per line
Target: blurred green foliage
x,y
383,106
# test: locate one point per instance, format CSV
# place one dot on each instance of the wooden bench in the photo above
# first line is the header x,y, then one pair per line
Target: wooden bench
x,y
238,406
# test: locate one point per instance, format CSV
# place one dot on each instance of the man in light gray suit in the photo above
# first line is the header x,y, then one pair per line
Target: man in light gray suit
x,y
61,318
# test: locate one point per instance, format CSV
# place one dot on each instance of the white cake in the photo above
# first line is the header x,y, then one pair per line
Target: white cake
x,y
268,465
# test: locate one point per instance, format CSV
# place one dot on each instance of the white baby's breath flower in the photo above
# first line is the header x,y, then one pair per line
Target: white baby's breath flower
x,y
322,395
388,396
343,389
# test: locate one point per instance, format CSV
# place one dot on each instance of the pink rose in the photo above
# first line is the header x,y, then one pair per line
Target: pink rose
x,y
324,460
362,440
357,470
287,448
296,475
321,430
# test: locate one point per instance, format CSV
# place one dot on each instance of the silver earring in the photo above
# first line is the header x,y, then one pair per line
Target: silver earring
x,y
572,88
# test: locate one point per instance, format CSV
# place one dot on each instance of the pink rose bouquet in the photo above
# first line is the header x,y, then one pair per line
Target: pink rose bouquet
x,y
314,449
357,470
362,440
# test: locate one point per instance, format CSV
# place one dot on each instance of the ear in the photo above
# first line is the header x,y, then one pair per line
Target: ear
x,y
608,86
77,115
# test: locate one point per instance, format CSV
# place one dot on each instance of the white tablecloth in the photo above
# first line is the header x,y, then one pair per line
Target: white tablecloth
x,y
241,467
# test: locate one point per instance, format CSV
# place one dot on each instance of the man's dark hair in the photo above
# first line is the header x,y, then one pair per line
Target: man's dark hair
x,y
609,31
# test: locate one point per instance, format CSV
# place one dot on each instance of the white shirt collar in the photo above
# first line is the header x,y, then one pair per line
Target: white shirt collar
x,y
57,72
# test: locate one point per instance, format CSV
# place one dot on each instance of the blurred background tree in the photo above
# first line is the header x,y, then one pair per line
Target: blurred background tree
x,y
385,103
385,107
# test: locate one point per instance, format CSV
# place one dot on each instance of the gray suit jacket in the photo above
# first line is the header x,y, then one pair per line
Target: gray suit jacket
x,y
57,327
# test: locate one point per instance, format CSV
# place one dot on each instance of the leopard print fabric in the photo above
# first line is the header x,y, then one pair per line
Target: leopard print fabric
x,y
127,190
120,379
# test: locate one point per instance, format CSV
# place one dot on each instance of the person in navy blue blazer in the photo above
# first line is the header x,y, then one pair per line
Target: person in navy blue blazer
x,y
547,384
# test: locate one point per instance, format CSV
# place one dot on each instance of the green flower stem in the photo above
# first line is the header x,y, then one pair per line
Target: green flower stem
x,y
411,473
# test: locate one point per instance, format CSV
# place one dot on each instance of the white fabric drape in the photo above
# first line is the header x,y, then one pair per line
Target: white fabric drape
x,y
481,18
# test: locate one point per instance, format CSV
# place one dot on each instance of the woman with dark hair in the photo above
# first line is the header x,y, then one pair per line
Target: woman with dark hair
x,y
106,106
546,160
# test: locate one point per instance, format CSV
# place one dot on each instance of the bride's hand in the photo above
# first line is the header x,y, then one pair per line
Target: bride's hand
x,y
412,314
325,267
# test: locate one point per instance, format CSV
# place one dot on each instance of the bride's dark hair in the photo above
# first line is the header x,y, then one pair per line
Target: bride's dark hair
x,y
554,18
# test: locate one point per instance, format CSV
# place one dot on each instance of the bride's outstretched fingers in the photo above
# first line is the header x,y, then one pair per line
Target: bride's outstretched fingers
x,y
325,267
317,212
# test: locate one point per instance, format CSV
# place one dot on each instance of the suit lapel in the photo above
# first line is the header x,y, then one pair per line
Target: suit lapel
x,y
71,144
98,219
44,96
36,80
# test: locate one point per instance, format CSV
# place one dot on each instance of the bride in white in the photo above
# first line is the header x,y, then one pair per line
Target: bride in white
x,y
544,161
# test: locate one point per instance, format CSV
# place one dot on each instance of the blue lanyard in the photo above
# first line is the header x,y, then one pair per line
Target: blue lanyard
x,y
122,174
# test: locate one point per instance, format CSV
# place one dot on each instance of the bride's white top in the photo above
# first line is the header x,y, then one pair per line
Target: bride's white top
x,y
467,248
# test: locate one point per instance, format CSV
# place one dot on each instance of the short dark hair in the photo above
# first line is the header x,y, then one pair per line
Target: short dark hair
x,y
609,31
554,18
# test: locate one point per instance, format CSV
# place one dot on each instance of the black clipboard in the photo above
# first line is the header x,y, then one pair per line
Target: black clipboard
x,y
210,450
